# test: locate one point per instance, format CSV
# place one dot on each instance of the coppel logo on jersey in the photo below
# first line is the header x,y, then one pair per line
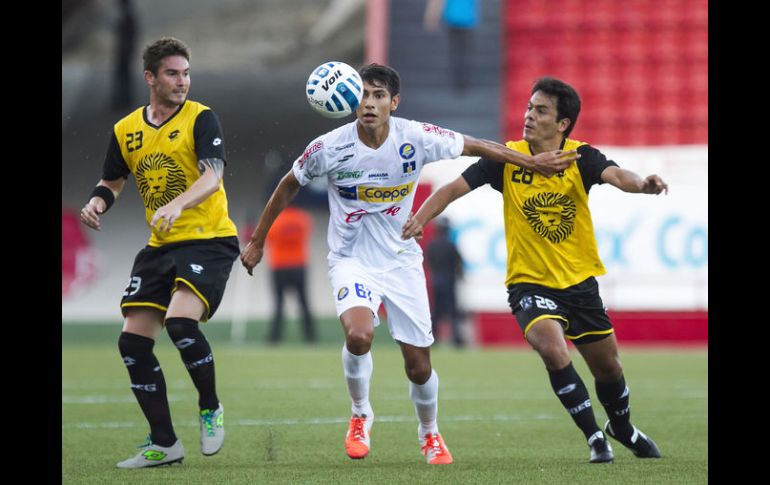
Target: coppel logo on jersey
x,y
376,194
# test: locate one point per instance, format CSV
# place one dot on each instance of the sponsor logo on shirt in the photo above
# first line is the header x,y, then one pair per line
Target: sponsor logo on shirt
x,y
409,167
406,151
376,194
385,194
173,134
342,293
343,147
378,175
310,150
349,174
428,128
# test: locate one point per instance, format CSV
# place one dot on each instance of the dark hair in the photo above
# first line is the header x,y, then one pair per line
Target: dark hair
x,y
567,99
160,49
386,75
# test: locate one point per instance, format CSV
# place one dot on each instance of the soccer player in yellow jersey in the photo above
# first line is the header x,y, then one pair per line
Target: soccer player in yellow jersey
x,y
174,149
553,259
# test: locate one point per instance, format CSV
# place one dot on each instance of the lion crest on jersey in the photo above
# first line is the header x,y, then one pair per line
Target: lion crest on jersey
x,y
159,180
551,215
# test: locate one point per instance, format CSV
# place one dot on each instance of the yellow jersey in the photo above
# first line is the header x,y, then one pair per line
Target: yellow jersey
x,y
549,233
164,162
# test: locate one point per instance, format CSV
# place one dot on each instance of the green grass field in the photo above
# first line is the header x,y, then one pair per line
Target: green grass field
x,y
287,410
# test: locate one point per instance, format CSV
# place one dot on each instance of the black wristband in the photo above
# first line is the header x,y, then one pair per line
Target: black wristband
x,y
104,193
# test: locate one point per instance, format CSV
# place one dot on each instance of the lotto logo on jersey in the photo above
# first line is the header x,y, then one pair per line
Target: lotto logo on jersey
x,y
385,194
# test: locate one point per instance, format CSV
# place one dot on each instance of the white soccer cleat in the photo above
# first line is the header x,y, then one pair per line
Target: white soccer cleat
x,y
155,455
212,430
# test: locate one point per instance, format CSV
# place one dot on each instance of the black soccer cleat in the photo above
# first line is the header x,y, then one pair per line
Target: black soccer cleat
x,y
601,450
639,443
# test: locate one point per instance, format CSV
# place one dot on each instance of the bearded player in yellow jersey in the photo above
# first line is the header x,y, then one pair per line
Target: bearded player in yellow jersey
x,y
553,259
174,149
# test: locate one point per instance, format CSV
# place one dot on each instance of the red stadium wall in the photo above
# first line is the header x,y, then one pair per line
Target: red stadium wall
x,y
640,67
677,328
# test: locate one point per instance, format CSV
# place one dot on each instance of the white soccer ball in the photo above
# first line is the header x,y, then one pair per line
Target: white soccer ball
x,y
334,89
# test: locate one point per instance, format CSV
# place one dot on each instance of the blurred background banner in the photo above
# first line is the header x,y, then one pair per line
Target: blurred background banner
x,y
642,74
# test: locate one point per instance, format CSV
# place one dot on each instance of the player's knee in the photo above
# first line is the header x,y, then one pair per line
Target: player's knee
x,y
554,356
132,346
182,331
359,341
609,371
418,372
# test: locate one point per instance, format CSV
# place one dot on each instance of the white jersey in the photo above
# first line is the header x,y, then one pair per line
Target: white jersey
x,y
371,191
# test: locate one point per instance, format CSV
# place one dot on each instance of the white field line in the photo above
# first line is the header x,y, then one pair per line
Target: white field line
x,y
311,421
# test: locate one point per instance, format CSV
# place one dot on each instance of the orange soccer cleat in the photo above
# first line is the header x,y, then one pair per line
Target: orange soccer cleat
x,y
357,437
434,449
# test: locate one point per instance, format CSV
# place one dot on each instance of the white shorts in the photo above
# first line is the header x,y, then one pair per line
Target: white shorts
x,y
402,291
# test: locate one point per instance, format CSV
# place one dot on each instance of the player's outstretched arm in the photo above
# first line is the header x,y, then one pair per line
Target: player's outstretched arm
x,y
433,206
547,163
103,196
628,181
282,195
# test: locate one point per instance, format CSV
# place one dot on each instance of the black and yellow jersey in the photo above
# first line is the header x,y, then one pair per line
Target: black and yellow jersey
x,y
549,233
164,162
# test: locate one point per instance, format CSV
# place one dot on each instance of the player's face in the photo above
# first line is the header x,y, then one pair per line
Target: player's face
x,y
540,123
376,105
172,83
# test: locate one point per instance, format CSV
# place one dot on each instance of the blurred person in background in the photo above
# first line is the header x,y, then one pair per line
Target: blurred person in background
x,y
372,166
446,268
461,18
553,260
174,149
287,255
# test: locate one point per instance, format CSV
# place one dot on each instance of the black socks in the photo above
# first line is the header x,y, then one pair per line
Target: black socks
x,y
148,385
197,357
572,393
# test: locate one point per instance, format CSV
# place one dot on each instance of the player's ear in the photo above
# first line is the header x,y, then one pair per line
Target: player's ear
x,y
149,78
564,124
394,102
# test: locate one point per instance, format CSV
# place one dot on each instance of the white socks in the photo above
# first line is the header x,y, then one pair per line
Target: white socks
x,y
425,399
358,373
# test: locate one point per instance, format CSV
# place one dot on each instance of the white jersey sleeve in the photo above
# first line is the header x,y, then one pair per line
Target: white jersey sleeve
x,y
440,143
312,163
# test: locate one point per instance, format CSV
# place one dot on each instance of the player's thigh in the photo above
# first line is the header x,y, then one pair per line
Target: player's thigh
x,y
353,286
203,268
144,321
406,301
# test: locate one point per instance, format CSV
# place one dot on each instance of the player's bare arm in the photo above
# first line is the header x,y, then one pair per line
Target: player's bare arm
x,y
287,189
433,206
89,214
628,181
546,164
211,175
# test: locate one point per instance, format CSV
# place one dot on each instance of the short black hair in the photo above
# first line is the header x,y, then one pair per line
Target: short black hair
x,y
388,76
164,47
567,99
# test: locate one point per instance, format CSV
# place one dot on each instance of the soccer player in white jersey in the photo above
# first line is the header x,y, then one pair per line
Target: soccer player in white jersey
x,y
372,165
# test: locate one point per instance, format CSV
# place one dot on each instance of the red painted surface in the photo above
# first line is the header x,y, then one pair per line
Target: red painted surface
x,y
640,69
632,327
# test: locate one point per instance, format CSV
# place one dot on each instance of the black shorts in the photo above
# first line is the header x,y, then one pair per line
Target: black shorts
x,y
578,308
204,265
